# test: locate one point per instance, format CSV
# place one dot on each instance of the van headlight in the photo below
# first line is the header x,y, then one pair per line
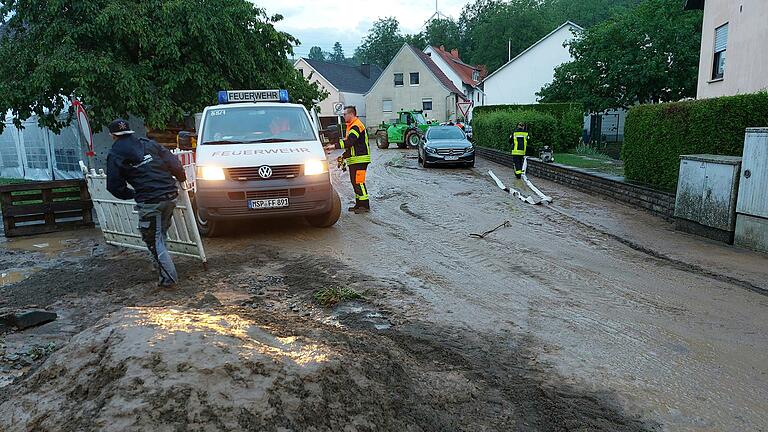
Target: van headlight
x,y
210,173
315,167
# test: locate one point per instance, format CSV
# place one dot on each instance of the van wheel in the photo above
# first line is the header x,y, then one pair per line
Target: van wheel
x,y
329,218
208,227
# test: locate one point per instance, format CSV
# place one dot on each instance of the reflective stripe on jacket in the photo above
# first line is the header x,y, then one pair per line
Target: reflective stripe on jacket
x,y
519,143
356,142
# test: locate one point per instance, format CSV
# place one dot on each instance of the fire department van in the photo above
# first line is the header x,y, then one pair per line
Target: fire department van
x,y
259,156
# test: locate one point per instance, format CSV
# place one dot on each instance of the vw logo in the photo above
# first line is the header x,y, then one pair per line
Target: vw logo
x,y
265,172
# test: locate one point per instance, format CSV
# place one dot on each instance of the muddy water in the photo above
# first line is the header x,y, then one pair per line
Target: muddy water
x,y
547,324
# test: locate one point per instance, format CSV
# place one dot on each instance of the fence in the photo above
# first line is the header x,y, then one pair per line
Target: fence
x,y
119,221
44,207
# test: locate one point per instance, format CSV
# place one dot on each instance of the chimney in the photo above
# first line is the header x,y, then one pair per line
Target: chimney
x,y
442,47
365,69
455,52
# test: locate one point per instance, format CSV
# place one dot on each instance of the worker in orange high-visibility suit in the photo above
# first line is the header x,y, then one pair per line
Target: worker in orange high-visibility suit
x,y
357,153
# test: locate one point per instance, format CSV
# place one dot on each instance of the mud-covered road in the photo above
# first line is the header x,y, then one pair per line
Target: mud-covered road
x,y
580,316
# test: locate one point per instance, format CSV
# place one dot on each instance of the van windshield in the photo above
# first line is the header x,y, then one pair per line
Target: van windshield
x,y
256,125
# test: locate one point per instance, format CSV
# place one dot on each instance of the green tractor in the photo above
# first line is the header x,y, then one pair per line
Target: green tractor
x,y
407,130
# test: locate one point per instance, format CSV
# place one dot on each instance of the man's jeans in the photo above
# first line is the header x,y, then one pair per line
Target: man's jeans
x,y
154,222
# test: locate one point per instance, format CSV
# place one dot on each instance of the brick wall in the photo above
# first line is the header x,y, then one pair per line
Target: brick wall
x,y
658,202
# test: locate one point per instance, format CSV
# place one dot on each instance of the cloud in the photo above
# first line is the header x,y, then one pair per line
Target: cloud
x,y
323,22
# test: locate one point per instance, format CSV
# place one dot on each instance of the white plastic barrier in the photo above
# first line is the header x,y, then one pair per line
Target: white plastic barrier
x,y
119,221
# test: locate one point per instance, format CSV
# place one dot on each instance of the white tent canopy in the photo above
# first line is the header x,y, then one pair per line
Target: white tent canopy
x,y
35,153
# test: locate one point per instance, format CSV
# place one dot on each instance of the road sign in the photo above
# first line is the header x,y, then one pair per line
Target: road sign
x,y
464,107
85,126
338,108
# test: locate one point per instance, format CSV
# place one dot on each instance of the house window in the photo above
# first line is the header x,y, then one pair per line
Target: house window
x,y
301,71
398,80
721,45
426,104
475,75
414,78
387,106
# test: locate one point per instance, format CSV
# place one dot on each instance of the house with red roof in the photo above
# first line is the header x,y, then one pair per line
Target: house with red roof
x,y
464,76
412,81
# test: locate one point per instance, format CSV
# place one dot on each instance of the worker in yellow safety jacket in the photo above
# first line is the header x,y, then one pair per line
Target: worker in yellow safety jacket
x,y
519,143
357,154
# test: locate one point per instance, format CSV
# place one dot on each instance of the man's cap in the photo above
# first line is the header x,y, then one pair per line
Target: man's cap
x,y
120,127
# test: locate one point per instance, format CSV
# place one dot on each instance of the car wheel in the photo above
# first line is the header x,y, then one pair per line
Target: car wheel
x,y
471,164
329,218
209,227
381,140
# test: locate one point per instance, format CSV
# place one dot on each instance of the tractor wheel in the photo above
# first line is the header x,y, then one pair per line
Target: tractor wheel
x,y
413,139
381,140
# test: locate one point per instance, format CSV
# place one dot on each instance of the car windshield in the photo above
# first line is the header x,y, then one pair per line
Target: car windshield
x,y
256,125
419,117
445,133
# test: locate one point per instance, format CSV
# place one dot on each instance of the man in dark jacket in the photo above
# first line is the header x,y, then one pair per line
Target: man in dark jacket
x,y
149,169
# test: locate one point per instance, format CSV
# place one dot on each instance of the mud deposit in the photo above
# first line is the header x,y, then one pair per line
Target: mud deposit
x,y
266,358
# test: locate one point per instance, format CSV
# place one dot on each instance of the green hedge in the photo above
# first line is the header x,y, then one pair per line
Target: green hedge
x,y
493,129
557,124
656,135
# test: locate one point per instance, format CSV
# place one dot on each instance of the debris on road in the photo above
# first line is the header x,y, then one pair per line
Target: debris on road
x,y
27,319
506,224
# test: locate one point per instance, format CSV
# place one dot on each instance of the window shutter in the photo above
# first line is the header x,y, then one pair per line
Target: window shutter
x,y
721,38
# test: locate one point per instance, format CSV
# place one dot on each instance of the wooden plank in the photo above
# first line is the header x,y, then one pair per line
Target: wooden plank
x,y
58,206
29,218
49,217
65,195
28,230
26,197
41,185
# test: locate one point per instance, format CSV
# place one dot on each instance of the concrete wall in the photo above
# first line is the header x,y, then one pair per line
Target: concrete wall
x,y
407,96
519,81
746,62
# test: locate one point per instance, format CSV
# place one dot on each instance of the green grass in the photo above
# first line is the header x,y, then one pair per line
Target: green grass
x,y
596,162
332,296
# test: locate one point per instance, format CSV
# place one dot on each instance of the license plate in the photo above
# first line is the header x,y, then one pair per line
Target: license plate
x,y
451,158
268,203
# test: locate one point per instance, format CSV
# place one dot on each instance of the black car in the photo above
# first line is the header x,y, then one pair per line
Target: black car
x,y
446,145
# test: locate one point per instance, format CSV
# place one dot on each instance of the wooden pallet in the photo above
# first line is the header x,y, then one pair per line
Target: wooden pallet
x,y
45,207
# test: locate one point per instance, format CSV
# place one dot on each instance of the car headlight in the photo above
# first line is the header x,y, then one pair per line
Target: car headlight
x,y
429,150
210,173
315,167
469,149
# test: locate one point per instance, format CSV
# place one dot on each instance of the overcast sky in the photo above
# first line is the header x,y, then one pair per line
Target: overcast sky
x,y
323,22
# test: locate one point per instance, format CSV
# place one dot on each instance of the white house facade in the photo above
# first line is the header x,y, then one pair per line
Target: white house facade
x,y
518,81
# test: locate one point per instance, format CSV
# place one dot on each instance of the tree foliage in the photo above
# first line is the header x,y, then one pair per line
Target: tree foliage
x,y
382,43
156,59
337,56
442,31
316,53
648,54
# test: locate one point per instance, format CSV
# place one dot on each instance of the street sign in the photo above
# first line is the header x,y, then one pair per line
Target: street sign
x,y
338,108
85,126
464,107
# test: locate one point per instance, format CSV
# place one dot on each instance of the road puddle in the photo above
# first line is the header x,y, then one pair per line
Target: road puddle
x,y
12,277
359,315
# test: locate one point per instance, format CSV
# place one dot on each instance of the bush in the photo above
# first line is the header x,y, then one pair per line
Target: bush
x,y
493,129
656,135
569,122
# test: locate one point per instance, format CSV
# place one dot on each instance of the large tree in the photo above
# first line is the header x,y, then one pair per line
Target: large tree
x,y
443,31
156,59
382,43
648,54
337,56
316,53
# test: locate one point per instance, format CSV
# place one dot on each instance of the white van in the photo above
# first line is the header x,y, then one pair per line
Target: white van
x,y
258,156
